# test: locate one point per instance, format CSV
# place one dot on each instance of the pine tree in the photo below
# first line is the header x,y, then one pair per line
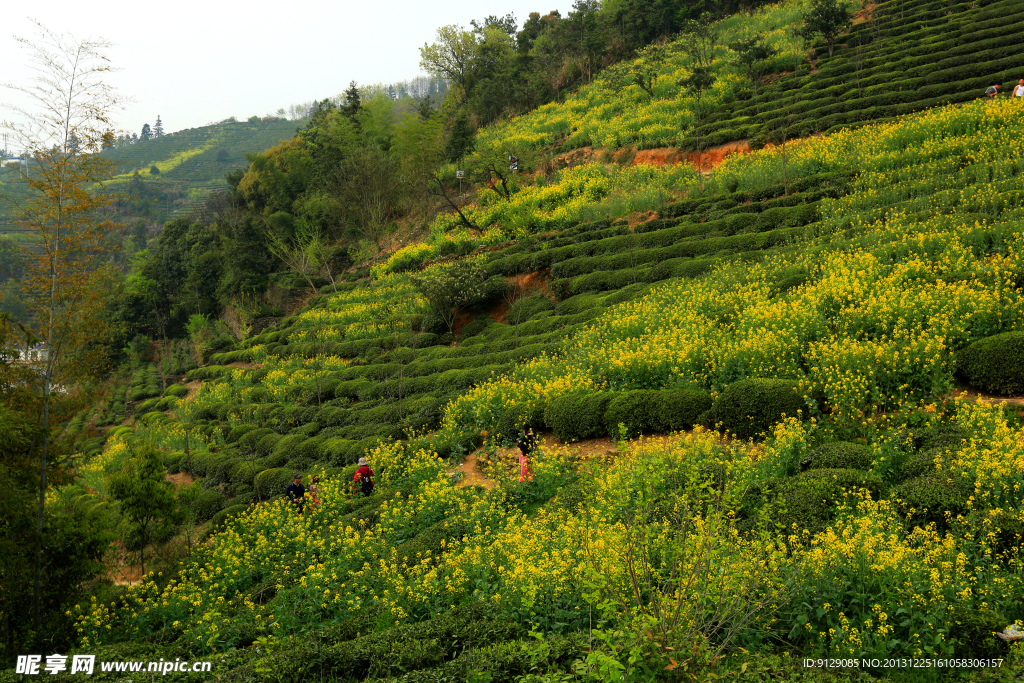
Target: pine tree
x,y
158,129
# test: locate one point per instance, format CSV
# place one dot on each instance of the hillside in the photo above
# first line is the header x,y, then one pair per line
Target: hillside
x,y
857,292
778,402
192,163
897,58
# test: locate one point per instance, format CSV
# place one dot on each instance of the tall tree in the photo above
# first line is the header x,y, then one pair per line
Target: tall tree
x,y
147,132
64,213
158,127
642,71
352,103
146,499
752,54
826,18
452,57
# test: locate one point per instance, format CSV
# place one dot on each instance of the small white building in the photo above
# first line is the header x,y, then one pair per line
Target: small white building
x,y
37,354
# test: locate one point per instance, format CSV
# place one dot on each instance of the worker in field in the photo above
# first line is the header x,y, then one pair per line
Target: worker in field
x,y
314,493
526,444
992,91
296,492
1019,90
364,477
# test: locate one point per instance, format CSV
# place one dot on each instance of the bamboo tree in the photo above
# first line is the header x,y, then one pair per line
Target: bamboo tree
x,y
64,126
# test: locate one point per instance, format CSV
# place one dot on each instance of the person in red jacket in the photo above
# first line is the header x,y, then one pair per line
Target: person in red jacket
x,y
364,477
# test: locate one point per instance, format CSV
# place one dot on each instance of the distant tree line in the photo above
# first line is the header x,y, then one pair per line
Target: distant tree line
x,y
498,68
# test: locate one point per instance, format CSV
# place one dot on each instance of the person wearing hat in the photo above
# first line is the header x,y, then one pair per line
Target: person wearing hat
x,y
296,492
364,477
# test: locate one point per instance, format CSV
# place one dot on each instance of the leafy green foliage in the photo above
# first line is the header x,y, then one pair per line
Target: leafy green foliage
x,y
826,18
809,500
273,482
973,632
451,287
932,498
146,499
655,411
839,455
995,364
578,415
751,407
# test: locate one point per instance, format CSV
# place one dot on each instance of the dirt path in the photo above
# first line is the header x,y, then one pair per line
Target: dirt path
x,y
708,160
472,474
974,397
180,479
193,388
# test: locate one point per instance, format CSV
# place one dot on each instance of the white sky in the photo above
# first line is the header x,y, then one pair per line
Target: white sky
x,y
195,62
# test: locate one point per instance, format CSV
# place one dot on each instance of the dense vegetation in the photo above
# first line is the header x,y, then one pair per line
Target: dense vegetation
x,y
773,357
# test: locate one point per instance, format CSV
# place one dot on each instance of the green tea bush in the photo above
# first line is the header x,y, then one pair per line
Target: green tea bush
x,y
238,431
220,519
208,503
930,498
679,409
173,461
517,417
972,632
751,407
809,500
839,455
922,463
995,364
427,543
578,416
273,482
636,411
399,651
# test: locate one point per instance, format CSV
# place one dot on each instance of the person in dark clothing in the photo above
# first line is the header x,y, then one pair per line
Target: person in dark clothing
x,y
526,444
364,477
296,492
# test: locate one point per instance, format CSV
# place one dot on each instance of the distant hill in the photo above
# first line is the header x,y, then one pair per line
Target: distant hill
x,y
192,163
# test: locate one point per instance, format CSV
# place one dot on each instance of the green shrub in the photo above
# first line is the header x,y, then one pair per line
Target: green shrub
x,y
208,503
922,463
932,498
285,448
751,407
273,482
249,441
972,632
809,500
265,446
413,651
173,461
517,417
839,455
221,518
636,411
429,542
578,415
995,364
947,437
679,409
